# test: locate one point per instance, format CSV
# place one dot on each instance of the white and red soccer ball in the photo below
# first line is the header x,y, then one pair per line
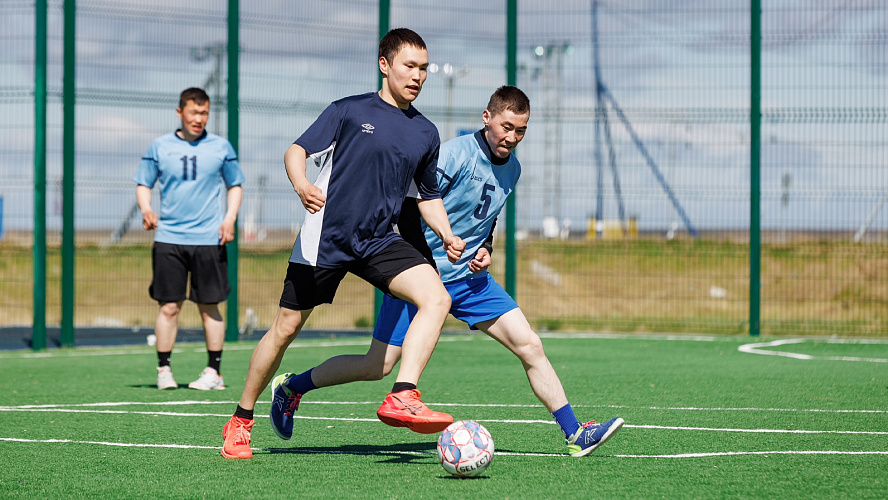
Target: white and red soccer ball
x,y
465,448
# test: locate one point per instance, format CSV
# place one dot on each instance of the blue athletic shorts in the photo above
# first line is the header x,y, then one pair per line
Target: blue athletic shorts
x,y
473,300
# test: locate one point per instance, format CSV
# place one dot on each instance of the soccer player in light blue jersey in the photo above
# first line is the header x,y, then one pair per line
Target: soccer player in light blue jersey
x,y
476,174
200,194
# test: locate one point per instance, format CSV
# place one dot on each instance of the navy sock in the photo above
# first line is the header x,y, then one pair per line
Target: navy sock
x,y
242,413
214,359
403,386
302,383
567,420
163,358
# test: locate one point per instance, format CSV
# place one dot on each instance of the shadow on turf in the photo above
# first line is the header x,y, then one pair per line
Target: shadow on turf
x,y
154,386
396,453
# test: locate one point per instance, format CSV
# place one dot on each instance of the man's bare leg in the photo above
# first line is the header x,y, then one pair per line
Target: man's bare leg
x,y
375,365
267,356
514,332
421,286
402,407
166,326
213,325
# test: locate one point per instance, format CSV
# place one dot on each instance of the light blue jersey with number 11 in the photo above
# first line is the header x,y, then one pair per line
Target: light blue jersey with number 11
x,y
474,185
194,179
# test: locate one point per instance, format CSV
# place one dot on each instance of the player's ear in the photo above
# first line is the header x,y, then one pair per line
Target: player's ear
x,y
485,117
383,66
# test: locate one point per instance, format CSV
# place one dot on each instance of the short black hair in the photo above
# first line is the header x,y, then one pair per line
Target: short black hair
x,y
392,42
193,94
508,97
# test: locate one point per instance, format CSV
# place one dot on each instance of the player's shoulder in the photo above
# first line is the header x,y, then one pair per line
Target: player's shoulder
x,y
167,138
215,140
464,146
358,100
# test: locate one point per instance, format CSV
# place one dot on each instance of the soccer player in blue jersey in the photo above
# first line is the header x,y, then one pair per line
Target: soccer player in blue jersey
x,y
372,149
476,173
200,195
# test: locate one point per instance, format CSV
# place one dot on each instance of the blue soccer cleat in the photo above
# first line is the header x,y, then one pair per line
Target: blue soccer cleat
x,y
284,402
592,435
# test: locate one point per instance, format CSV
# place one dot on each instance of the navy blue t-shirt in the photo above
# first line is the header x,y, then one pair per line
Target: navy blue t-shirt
x,y
370,153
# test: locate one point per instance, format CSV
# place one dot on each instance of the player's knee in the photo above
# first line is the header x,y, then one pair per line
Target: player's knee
x,y
442,301
373,371
531,349
437,304
387,368
170,310
287,325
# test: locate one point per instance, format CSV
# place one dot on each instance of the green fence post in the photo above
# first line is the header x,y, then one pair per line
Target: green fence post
x,y
232,331
511,79
38,327
384,16
755,122
69,98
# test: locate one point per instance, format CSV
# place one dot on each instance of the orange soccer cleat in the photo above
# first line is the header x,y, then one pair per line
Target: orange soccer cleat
x,y
236,434
405,409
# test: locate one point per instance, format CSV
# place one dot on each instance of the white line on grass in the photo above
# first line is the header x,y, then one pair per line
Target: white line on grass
x,y
429,453
757,348
107,443
142,350
451,337
467,405
639,336
765,453
496,421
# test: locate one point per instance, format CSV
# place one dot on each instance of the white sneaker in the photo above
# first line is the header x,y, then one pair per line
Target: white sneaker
x,y
165,378
209,380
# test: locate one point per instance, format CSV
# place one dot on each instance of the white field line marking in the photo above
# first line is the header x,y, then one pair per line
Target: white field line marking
x,y
107,443
756,431
85,352
78,353
757,348
429,453
365,342
472,405
496,421
765,453
639,336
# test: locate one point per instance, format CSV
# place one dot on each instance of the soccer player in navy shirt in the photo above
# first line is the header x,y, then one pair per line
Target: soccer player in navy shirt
x,y
476,174
372,150
198,172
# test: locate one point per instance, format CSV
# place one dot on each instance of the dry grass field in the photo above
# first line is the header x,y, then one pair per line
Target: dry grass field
x,y
815,286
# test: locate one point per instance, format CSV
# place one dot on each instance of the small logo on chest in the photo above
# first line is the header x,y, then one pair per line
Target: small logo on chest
x,y
476,178
368,129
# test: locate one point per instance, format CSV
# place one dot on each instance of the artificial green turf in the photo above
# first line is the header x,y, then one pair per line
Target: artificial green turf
x,y
677,397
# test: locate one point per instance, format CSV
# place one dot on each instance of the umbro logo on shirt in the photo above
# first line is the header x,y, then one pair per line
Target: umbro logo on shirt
x,y
368,129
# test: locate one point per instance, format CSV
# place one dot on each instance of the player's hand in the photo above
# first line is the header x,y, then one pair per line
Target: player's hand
x,y
481,261
454,246
149,220
312,197
226,232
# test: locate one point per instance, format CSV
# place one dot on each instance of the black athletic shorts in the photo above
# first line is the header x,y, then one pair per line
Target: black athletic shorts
x,y
207,265
308,286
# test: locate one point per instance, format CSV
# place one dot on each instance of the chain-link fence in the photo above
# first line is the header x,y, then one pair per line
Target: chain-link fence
x,y
633,213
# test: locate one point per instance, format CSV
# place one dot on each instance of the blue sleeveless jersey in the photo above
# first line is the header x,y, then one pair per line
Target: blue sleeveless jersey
x,y
474,185
194,181
370,154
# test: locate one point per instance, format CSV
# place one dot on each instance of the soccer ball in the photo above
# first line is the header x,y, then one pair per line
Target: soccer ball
x,y
465,448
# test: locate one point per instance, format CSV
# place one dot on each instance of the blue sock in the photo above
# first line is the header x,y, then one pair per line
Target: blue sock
x,y
567,420
300,384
